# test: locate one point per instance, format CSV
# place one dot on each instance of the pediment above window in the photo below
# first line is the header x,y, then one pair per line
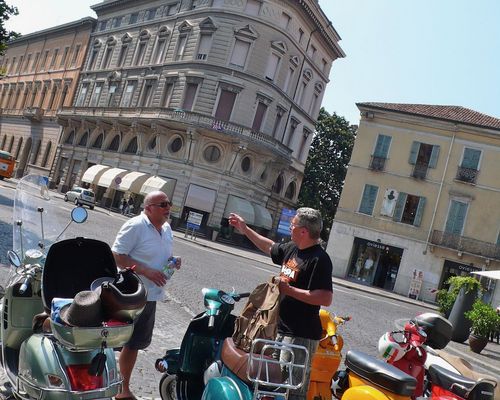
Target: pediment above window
x,y
163,31
111,41
97,43
307,74
207,26
185,27
247,31
126,38
294,60
144,35
279,46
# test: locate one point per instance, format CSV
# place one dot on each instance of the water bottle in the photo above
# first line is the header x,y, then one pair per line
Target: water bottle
x,y
169,269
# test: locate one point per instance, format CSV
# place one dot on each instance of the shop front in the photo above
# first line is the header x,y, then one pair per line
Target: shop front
x,y
374,263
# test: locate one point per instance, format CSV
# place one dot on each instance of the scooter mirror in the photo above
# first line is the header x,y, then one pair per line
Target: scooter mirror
x,y
79,215
14,258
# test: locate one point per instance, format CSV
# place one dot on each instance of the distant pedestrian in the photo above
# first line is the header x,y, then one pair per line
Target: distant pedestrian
x,y
123,206
130,205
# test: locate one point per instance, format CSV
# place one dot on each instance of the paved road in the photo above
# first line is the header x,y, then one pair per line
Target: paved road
x,y
216,265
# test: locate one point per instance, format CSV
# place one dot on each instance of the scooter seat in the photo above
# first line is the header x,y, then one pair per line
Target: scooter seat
x,y
445,379
380,373
237,361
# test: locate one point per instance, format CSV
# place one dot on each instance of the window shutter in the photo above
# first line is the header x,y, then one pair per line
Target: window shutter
x,y
259,117
272,66
456,217
471,158
420,211
225,106
368,200
415,147
204,47
434,156
189,96
382,146
240,53
400,206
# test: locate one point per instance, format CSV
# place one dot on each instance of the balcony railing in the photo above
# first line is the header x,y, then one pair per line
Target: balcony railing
x,y
377,163
468,175
420,171
466,244
178,115
33,113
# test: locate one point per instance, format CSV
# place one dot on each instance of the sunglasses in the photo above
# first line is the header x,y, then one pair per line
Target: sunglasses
x,y
163,204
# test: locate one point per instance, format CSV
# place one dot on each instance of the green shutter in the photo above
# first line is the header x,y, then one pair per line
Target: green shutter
x,y
415,147
368,200
400,206
434,156
420,211
382,146
471,158
456,217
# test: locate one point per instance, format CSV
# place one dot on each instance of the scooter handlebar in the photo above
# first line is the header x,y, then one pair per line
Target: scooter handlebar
x,y
211,321
24,285
243,295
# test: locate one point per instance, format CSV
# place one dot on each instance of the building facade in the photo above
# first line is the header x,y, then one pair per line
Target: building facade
x,y
420,200
41,73
214,101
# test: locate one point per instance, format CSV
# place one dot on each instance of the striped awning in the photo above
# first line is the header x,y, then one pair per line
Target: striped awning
x,y
108,178
133,182
94,173
153,183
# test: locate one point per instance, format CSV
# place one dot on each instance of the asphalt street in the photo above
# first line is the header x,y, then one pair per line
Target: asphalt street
x,y
217,265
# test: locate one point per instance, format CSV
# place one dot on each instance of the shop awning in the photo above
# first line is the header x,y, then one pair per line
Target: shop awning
x,y
133,182
263,217
92,174
495,274
153,183
108,178
240,206
200,198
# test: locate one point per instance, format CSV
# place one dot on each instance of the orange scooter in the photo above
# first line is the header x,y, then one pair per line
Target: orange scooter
x,y
326,360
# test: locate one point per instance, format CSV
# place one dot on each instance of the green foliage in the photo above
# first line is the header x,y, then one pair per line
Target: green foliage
x,y
6,12
326,165
446,297
483,317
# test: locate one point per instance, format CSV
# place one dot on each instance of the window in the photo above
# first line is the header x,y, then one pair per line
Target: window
x,y
63,96
94,99
107,57
112,93
277,121
259,116
324,65
253,7
52,97
368,199
290,191
189,95
284,20
21,59
303,145
212,153
44,61
423,156
102,25
246,164
71,138
93,58
301,35
84,139
117,22
468,169
35,62
127,96
147,93
81,96
150,14
167,94
152,144
379,156
240,53
171,9
278,184
54,58
311,52
19,146
457,214
181,46
123,55
409,209
132,146
75,55
161,46
115,143
288,79
225,106
141,51
272,66
64,57
204,46
133,18
318,89
291,132
98,142
175,145
26,65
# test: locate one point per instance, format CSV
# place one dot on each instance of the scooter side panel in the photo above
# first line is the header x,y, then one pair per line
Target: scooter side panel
x,y
226,388
363,389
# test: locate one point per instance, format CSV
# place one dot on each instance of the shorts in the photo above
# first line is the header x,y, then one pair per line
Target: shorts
x,y
143,328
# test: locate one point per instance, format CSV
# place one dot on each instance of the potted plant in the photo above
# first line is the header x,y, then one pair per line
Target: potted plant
x,y
484,320
446,297
215,232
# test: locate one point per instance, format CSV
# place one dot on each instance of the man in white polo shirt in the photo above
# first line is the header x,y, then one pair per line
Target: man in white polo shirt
x,y
145,242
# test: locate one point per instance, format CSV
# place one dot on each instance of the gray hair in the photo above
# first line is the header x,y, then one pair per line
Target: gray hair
x,y
310,219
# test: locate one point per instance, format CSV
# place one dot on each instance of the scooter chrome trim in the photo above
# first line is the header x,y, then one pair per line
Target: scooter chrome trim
x,y
240,395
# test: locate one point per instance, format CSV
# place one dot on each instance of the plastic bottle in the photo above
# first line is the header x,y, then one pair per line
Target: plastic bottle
x,y
170,268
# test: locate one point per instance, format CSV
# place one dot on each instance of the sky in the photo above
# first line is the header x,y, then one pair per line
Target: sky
x,y
444,52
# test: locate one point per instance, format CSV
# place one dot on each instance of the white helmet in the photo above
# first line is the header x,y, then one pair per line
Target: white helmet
x,y
213,371
390,349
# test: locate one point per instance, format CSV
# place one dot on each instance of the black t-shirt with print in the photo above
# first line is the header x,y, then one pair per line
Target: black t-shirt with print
x,y
309,269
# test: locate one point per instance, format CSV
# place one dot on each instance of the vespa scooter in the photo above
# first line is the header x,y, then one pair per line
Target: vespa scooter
x,y
44,358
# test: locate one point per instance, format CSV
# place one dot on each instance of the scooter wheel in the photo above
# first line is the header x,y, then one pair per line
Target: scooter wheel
x,y
168,384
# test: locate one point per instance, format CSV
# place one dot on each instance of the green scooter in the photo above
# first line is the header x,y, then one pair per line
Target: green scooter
x,y
43,357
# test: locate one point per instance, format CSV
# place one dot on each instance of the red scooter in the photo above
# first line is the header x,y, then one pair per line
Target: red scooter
x,y
406,350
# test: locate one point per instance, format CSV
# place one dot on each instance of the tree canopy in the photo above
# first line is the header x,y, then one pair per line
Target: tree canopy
x,y
6,12
326,166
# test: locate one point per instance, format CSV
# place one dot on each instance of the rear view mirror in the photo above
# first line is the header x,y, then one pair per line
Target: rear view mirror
x,y
79,215
14,258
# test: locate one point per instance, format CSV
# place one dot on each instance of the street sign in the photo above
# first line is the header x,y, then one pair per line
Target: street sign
x,y
284,222
194,220
118,180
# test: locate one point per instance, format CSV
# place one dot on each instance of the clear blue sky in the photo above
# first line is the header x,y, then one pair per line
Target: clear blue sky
x,y
427,51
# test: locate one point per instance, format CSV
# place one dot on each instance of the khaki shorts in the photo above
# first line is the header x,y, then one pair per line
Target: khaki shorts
x,y
143,328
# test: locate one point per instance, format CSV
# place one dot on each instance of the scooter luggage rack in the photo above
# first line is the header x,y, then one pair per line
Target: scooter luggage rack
x,y
259,365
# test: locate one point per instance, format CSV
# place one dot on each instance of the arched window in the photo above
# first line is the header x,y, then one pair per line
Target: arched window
x,y
19,146
246,164
176,145
115,143
152,144
84,139
278,185
98,142
4,140
290,191
212,153
71,138
47,153
132,146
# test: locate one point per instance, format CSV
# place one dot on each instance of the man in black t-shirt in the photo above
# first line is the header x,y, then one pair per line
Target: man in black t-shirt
x,y
305,281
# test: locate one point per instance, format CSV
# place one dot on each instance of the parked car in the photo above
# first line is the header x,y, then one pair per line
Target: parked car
x,y
81,196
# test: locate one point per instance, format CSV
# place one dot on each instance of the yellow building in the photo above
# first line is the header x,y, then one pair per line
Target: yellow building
x,y
421,199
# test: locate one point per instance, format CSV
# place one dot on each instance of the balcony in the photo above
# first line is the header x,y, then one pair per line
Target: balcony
x,y
420,171
468,175
377,163
465,244
148,114
33,113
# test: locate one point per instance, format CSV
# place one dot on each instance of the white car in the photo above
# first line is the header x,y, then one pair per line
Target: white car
x,y
81,196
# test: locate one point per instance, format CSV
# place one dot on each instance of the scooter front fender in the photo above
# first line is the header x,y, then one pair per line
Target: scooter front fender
x,y
226,388
366,392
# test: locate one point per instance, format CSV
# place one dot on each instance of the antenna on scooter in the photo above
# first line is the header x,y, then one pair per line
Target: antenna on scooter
x,y
41,243
19,223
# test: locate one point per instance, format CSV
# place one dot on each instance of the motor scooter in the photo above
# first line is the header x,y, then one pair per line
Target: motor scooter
x,y
43,357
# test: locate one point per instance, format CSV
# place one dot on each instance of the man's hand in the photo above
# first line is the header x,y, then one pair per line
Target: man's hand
x,y
238,222
178,263
284,286
155,276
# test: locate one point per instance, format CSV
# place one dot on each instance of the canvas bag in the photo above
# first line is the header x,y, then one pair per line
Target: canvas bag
x,y
259,318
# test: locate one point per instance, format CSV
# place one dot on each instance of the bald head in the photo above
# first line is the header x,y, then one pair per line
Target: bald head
x,y
157,208
155,197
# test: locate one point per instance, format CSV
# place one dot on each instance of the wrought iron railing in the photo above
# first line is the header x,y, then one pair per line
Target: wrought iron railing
x,y
377,163
466,244
467,174
33,113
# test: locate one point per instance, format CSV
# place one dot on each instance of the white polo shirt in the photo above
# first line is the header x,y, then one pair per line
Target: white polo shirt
x,y
139,239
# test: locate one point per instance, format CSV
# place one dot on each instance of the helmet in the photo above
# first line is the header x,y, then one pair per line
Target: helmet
x,y
390,349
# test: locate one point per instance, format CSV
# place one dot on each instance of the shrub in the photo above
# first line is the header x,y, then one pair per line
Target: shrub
x,y
446,298
483,317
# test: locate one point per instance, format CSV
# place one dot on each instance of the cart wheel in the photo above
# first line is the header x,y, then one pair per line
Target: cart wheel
x,y
168,384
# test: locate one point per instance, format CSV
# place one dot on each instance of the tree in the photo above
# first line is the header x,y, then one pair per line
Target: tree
x,y
6,12
326,166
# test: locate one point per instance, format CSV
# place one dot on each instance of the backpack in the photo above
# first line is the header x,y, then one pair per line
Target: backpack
x,y
259,318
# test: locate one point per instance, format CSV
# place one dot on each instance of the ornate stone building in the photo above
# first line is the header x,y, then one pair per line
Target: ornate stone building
x,y
214,101
41,74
